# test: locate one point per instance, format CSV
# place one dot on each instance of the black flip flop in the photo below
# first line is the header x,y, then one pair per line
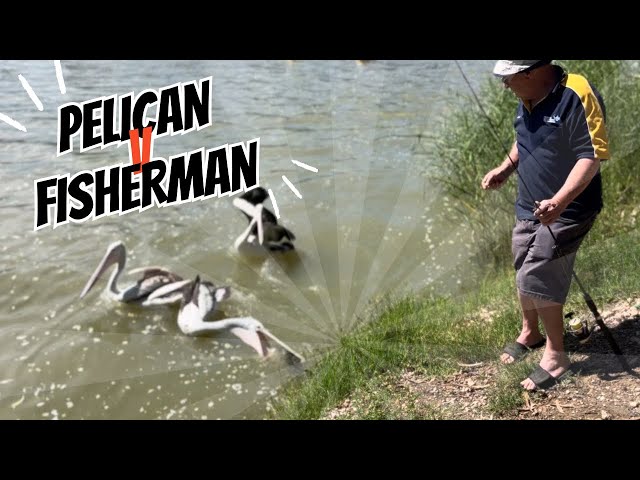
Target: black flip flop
x,y
519,350
544,380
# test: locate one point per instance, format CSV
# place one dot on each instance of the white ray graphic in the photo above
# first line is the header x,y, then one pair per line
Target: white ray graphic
x,y
305,166
389,254
290,185
317,272
63,88
12,122
32,94
275,205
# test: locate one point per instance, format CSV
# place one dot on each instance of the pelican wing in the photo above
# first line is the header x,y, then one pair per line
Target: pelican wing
x,y
222,293
268,216
155,271
154,278
292,237
167,299
168,289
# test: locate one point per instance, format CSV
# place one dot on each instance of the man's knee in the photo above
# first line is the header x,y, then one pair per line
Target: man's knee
x,y
536,301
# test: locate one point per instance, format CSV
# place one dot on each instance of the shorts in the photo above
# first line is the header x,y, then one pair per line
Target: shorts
x,y
544,270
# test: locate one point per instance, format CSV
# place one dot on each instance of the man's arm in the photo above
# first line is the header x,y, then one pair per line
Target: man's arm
x,y
579,178
496,177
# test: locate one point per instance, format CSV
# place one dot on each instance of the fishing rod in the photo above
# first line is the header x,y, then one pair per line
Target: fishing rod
x,y
586,331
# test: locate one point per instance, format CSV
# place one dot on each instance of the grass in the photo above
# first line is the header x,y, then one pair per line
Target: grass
x,y
432,334
380,399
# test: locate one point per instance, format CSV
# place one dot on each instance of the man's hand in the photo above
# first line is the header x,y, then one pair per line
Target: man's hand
x,y
548,211
494,179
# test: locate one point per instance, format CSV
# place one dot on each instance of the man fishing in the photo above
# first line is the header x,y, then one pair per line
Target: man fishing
x,y
560,141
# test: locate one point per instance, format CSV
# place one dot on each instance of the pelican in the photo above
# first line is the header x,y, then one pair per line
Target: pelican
x,y
152,278
263,234
200,299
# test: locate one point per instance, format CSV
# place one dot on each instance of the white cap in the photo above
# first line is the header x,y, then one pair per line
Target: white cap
x,y
510,67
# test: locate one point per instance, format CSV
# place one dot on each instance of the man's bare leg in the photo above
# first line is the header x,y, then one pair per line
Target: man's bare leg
x,y
530,333
554,360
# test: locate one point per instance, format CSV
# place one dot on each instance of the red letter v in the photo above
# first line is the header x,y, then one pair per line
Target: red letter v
x,y
134,147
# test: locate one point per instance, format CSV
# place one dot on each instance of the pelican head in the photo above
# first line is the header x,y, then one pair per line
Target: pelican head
x,y
116,253
264,234
151,278
255,196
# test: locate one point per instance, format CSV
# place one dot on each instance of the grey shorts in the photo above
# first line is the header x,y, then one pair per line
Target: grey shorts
x,y
543,270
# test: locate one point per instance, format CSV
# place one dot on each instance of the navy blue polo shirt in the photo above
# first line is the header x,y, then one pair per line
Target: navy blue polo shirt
x,y
551,137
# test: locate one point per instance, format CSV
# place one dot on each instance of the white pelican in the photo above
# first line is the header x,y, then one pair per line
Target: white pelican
x,y
200,300
263,234
152,278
